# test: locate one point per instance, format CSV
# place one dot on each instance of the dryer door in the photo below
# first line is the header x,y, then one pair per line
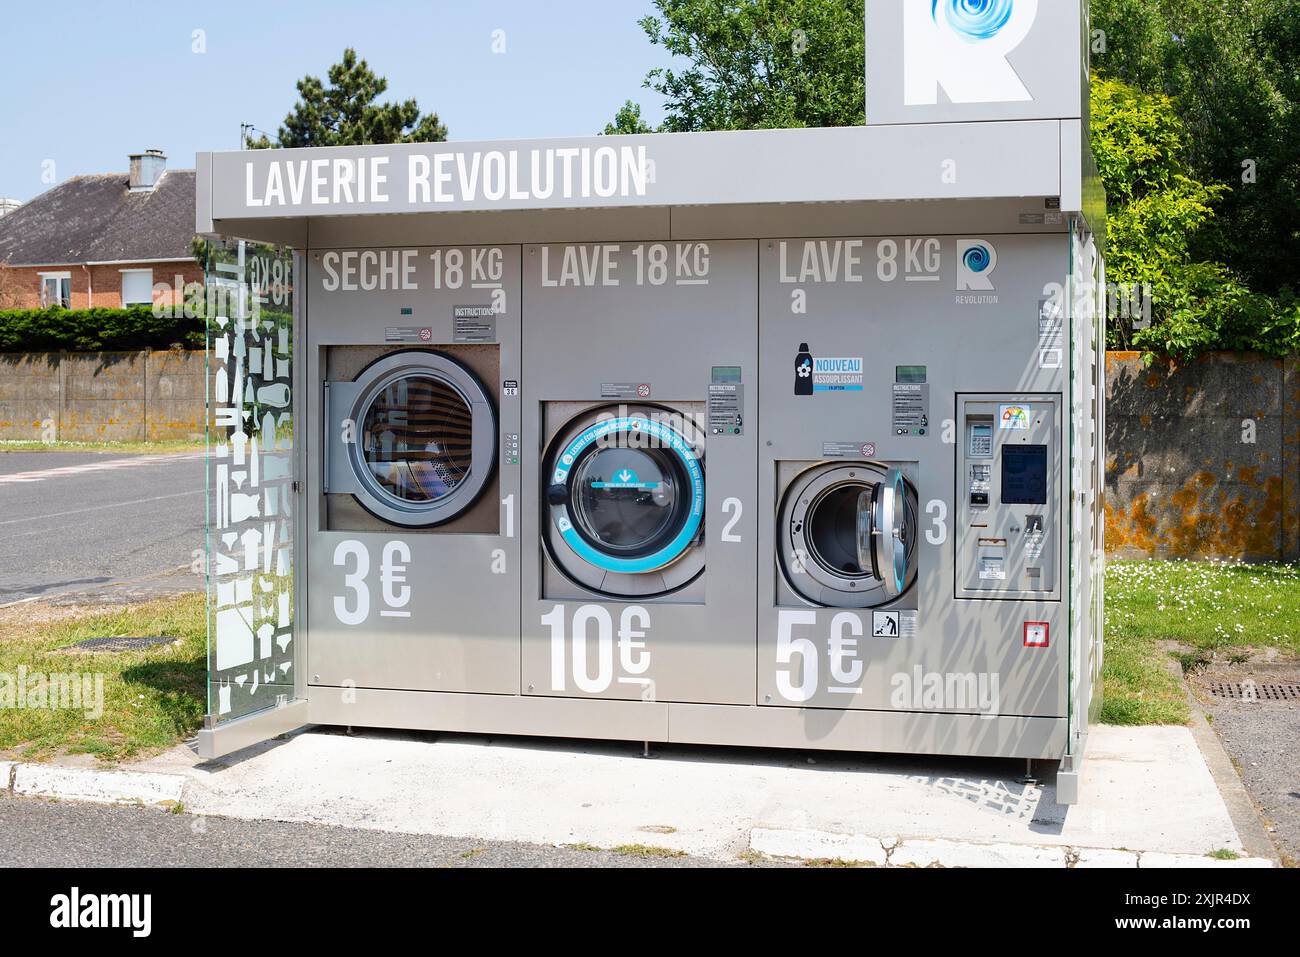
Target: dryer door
x,y
414,438
626,496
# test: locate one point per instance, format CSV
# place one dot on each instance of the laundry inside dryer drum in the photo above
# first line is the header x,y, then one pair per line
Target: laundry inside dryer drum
x,y
626,496
417,438
425,438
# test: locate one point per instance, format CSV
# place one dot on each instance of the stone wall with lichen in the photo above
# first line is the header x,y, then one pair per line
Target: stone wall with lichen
x,y
1203,458
102,396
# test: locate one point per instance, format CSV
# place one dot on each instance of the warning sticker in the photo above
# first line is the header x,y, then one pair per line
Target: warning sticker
x,y
893,624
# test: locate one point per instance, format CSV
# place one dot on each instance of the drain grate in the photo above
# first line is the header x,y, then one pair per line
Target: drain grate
x,y
119,644
1256,690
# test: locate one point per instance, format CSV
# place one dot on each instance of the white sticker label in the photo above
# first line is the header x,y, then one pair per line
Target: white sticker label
x,y
893,624
1014,416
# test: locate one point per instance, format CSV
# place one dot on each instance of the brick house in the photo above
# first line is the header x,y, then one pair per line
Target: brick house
x,y
110,239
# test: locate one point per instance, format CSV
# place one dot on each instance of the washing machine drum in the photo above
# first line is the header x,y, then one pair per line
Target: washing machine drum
x,y
848,535
413,438
626,500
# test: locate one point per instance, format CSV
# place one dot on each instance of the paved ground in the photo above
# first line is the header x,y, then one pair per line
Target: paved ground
x,y
48,834
1263,739
78,522
708,802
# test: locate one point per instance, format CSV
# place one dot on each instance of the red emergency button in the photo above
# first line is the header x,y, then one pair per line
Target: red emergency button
x,y
1035,634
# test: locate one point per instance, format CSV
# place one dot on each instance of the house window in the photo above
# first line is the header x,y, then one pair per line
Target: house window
x,y
137,287
56,289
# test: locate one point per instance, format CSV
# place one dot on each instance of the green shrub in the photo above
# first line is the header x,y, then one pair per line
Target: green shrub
x,y
95,330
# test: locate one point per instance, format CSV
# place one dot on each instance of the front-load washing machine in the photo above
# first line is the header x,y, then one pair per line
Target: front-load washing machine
x,y
640,533
846,533
414,494
625,499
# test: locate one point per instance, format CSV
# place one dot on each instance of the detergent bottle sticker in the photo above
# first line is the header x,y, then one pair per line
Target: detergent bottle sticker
x,y
1014,416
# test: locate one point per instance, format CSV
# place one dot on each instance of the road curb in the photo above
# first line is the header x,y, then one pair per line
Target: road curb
x,y
93,785
889,851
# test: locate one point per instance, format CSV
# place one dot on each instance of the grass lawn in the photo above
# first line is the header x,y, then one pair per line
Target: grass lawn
x,y
119,448
1211,610
152,698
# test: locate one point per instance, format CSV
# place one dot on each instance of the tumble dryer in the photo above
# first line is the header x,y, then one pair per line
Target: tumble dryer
x,y
640,544
413,546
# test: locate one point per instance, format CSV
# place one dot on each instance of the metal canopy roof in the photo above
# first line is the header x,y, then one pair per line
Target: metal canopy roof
x,y
936,161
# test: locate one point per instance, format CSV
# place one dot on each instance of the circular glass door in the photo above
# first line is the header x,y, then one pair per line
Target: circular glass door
x,y
425,438
417,439
847,535
626,494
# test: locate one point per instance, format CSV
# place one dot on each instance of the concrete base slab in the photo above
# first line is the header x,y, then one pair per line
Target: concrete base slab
x,y
719,802
818,845
96,785
964,854
1088,858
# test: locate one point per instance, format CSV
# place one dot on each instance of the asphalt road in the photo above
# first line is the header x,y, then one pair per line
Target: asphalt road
x,y
77,522
48,834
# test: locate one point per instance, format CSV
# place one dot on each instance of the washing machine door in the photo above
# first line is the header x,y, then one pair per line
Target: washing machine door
x,y
847,535
626,500
413,438
883,533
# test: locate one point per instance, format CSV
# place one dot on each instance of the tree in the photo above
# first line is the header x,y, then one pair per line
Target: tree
x,y
758,63
628,120
1233,73
345,112
1156,208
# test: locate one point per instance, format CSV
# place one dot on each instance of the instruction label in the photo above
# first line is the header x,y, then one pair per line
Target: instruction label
x,y
911,408
474,324
726,402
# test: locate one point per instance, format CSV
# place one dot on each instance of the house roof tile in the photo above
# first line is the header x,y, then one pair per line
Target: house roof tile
x,y
98,219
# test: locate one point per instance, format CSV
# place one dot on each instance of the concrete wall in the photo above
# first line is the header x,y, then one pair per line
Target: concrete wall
x,y
1203,458
102,396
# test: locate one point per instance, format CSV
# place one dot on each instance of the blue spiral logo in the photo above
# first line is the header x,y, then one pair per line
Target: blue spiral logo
x,y
973,20
976,258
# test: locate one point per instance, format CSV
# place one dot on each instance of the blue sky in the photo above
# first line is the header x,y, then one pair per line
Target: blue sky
x,y
86,83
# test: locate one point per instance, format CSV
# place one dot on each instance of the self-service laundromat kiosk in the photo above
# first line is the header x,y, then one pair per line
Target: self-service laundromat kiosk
x,y
785,438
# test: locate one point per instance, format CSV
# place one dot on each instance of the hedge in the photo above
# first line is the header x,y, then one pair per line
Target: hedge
x,y
95,330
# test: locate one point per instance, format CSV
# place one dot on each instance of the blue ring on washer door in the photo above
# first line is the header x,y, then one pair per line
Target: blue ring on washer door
x,y
694,515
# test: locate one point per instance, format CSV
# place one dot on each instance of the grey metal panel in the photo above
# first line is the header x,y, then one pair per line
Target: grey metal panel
x,y
460,630
203,193
646,223
491,714
736,725
231,736
746,166
667,337
499,227
1072,145
839,730
881,218
966,346
1035,54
